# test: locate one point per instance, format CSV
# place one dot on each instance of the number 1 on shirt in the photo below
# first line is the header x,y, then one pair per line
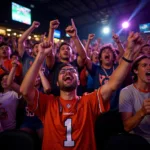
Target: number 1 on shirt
x,y
69,142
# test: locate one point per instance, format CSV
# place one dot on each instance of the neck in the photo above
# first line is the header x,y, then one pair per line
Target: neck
x,y
142,86
64,61
68,95
107,66
6,90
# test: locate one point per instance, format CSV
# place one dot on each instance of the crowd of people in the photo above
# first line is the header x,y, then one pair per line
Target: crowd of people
x,y
61,88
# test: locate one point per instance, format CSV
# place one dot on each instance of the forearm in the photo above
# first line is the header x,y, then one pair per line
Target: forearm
x,y
87,47
121,50
134,121
50,60
26,34
27,85
51,35
121,71
11,75
80,48
45,83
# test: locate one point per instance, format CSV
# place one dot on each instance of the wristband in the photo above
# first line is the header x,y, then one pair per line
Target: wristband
x,y
127,60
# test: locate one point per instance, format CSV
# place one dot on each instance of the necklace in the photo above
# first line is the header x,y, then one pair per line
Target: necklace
x,y
106,71
68,106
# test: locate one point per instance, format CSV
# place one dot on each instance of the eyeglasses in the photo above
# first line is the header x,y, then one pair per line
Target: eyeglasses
x,y
63,71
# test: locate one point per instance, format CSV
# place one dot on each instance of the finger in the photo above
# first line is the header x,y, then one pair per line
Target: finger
x,y
72,22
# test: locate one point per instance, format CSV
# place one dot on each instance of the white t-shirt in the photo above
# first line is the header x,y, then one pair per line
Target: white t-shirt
x,y
9,102
131,100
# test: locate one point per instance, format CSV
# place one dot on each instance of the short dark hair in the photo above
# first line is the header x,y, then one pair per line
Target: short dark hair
x,y
34,44
136,64
109,46
63,43
3,44
64,65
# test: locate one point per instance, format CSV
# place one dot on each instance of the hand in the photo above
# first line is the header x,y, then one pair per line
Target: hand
x,y
146,107
35,24
71,30
54,24
115,37
91,36
45,48
99,40
133,40
15,63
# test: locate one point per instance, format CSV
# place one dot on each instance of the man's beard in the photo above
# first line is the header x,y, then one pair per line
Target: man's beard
x,y
69,88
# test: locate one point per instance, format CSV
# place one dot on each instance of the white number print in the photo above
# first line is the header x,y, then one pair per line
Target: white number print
x,y
69,142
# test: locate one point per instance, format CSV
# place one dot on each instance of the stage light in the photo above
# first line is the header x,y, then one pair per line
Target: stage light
x,y
8,34
20,35
29,37
106,30
8,30
35,36
15,34
125,24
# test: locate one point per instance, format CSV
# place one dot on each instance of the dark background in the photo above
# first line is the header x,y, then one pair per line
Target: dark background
x,y
89,15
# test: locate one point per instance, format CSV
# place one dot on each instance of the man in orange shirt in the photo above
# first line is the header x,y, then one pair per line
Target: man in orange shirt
x,y
69,120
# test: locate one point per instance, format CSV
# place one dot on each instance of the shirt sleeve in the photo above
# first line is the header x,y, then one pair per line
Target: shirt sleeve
x,y
96,102
40,105
125,101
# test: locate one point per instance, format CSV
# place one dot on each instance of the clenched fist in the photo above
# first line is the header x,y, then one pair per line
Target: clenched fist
x,y
54,24
35,24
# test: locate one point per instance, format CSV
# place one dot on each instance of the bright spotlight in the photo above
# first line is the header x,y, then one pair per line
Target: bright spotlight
x,y
125,24
106,30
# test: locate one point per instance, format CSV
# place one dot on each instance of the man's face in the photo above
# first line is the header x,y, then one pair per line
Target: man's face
x,y
146,50
65,52
107,56
35,49
5,51
68,79
143,71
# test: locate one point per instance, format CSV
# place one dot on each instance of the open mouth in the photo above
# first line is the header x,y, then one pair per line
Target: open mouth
x,y
68,78
148,74
106,57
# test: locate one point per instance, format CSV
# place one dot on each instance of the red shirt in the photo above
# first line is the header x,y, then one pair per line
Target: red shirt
x,y
8,65
69,124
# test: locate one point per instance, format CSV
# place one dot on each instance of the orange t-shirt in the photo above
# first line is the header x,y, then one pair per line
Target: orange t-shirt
x,y
8,66
69,124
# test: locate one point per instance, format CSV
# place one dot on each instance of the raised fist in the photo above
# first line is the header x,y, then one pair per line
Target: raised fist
x,y
54,24
91,36
35,24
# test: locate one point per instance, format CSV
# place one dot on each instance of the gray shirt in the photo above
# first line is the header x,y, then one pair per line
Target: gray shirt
x,y
131,100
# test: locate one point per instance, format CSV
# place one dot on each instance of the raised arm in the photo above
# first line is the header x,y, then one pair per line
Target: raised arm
x,y
45,82
72,32
50,59
122,70
119,45
11,76
27,86
90,37
24,36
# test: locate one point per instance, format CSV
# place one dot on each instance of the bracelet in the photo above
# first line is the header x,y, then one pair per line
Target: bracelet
x,y
127,60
